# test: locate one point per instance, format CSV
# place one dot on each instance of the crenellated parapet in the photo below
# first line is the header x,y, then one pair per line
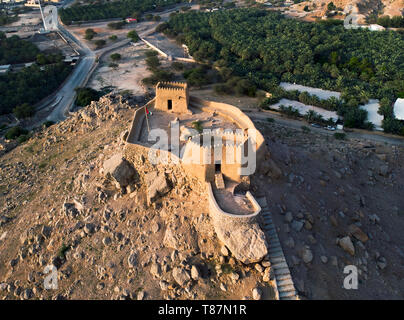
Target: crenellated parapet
x,y
172,97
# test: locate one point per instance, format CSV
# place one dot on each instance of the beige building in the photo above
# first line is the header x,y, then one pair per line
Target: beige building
x,y
172,97
222,154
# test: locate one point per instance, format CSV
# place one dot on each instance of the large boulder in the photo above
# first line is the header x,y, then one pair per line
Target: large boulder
x,y
269,168
120,170
157,185
246,242
181,276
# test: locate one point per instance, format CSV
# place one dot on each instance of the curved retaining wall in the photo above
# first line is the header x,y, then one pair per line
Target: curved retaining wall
x,y
218,214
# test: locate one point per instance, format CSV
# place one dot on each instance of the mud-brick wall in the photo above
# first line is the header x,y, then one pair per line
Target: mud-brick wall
x,y
179,98
137,122
236,115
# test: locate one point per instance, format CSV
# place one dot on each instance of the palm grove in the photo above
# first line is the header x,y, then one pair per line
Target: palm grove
x,y
265,48
21,90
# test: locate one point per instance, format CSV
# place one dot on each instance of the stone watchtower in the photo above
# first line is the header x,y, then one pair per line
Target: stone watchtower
x,y
172,97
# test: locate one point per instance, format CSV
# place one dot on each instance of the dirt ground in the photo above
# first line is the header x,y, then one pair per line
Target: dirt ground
x,y
330,185
29,18
52,42
129,73
103,32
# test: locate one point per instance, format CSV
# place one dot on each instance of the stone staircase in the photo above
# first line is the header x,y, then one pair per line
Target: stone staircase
x,y
219,181
284,282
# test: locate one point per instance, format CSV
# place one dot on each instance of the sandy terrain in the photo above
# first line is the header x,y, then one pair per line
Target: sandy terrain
x,y
128,75
30,18
102,30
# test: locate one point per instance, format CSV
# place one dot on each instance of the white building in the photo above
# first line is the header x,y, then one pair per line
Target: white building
x,y
5,68
399,109
373,27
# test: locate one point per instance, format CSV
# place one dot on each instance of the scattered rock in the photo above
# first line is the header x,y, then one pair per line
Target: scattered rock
x,y
346,244
289,217
107,241
155,227
157,185
132,260
297,225
181,276
381,263
89,228
355,231
140,295
307,255
257,294
180,236
70,210
120,170
155,270
27,294
194,273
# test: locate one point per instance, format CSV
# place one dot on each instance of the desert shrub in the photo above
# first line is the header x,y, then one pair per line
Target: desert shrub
x,y
100,43
116,25
85,96
15,132
24,110
340,135
197,126
115,57
133,36
89,34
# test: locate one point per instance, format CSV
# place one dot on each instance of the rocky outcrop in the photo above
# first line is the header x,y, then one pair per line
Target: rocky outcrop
x,y
120,170
246,242
269,168
157,185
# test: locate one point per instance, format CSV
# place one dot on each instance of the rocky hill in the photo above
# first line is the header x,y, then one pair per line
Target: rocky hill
x,y
339,204
318,8
69,199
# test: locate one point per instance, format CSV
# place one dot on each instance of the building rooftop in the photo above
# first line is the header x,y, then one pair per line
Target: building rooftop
x,y
162,120
399,109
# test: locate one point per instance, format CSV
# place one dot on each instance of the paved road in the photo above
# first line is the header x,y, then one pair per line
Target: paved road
x,y
375,137
66,94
